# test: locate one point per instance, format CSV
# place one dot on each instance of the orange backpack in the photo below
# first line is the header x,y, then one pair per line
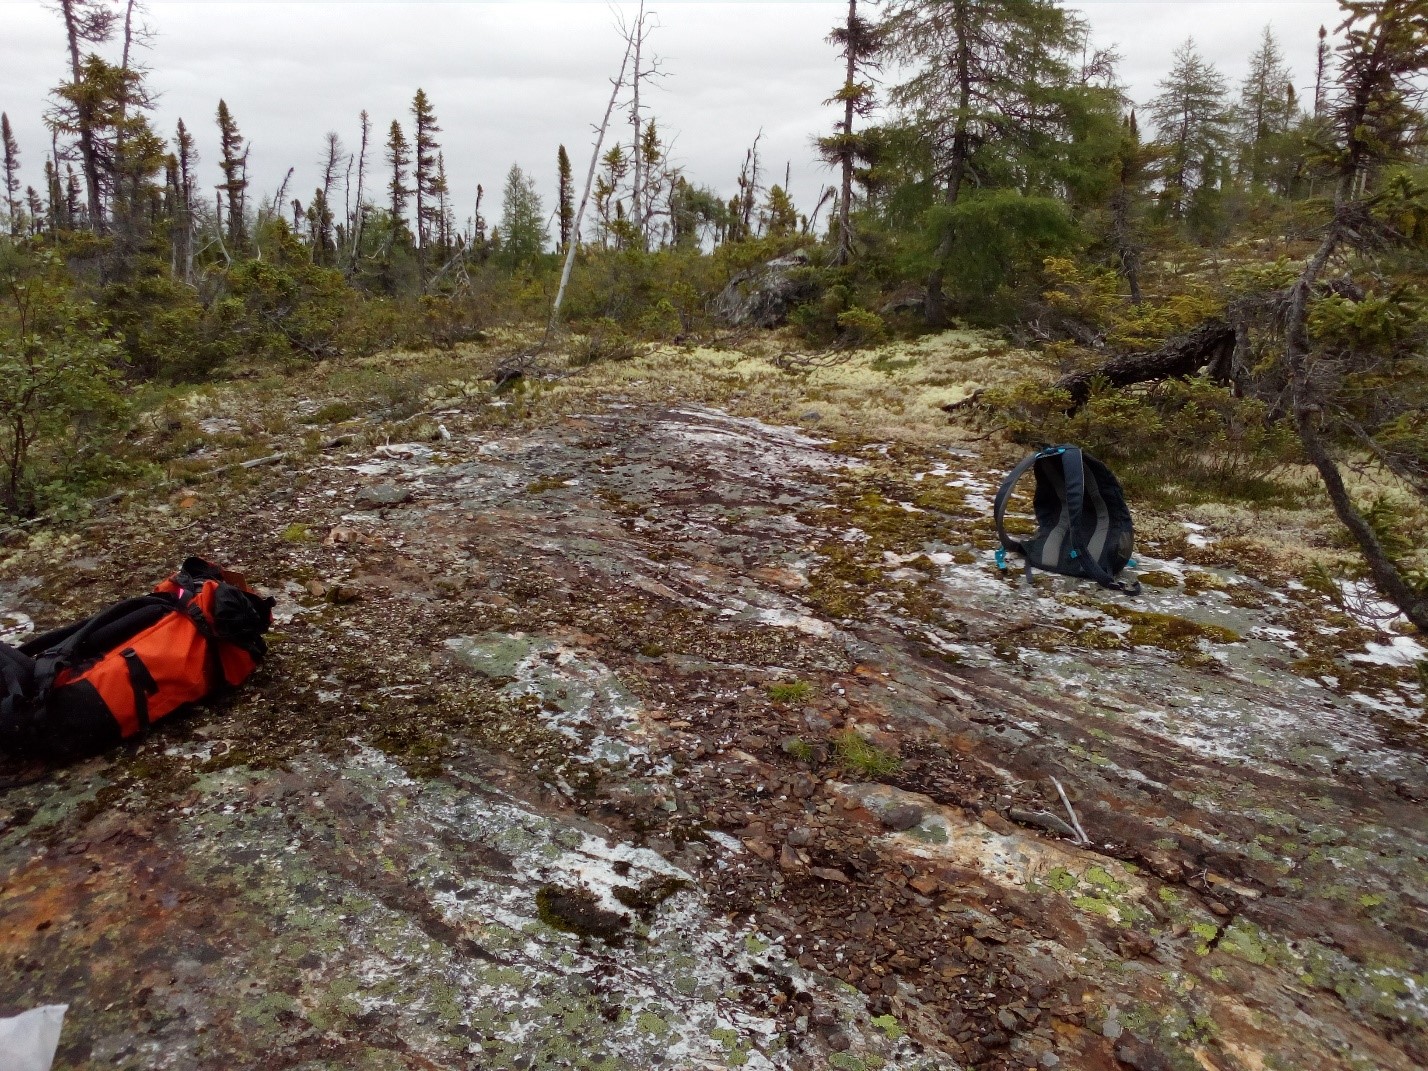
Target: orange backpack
x,y
91,684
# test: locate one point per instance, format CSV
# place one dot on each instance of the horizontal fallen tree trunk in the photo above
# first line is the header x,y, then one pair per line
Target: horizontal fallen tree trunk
x,y
1212,344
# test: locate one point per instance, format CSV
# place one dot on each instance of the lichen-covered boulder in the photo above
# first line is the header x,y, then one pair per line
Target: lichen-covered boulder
x,y
764,295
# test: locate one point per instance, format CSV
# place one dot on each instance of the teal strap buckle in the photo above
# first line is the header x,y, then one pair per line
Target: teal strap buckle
x,y
1002,558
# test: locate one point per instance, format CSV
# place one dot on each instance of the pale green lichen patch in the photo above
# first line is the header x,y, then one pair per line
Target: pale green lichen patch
x,y
570,692
1097,892
889,1025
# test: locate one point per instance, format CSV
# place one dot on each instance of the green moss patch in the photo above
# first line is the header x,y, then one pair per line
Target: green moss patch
x,y
1168,631
544,483
1159,578
650,894
332,413
578,911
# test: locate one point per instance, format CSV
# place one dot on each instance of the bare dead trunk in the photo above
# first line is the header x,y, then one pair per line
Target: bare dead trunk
x,y
619,84
637,187
1126,251
359,217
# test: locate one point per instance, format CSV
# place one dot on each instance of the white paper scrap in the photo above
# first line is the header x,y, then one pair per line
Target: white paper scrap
x,y
28,1040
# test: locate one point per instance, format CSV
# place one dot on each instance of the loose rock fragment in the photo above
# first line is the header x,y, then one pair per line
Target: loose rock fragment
x,y
382,495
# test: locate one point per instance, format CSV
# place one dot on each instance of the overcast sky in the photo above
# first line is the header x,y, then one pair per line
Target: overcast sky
x,y
511,81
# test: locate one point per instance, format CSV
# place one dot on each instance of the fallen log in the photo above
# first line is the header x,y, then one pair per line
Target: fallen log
x,y
1212,344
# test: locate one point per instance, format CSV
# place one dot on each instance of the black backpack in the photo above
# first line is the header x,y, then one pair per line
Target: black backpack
x,y
1083,526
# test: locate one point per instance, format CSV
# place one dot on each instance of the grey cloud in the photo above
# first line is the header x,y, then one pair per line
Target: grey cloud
x,y
512,81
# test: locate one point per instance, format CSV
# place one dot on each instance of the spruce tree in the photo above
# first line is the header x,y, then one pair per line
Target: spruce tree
x,y
54,199
319,227
37,209
186,157
424,171
566,197
1132,170
985,84
86,23
522,229
1192,125
646,182
442,220
12,174
398,158
173,212
1267,109
1321,63
73,205
233,161
478,226
320,212
134,155
780,218
609,209
103,109
858,42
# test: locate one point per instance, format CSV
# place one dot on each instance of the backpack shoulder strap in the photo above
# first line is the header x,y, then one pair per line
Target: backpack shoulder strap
x,y
1073,474
1004,493
1098,573
1074,467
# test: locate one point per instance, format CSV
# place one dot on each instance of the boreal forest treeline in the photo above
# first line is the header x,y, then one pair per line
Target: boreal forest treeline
x,y
1224,277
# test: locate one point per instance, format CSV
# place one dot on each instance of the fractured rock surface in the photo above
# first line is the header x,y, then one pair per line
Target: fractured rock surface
x,y
663,738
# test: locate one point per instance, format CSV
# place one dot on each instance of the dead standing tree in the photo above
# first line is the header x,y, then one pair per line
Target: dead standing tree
x,y
645,68
185,158
357,220
617,84
741,209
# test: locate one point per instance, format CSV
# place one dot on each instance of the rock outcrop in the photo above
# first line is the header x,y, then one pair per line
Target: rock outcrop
x,y
660,737
765,295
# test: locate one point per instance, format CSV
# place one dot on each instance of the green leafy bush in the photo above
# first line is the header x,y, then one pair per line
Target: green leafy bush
x,y
59,401
657,295
858,327
164,328
285,306
998,241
